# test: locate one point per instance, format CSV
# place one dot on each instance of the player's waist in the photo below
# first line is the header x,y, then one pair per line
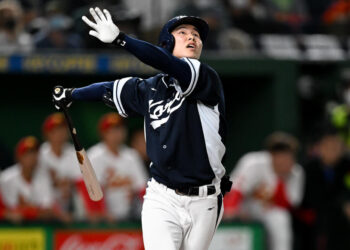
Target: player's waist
x,y
203,190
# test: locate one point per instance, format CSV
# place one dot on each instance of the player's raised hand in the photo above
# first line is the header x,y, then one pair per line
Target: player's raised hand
x,y
103,28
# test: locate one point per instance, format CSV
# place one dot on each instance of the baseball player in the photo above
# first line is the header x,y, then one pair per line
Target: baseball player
x,y
267,184
183,109
25,186
118,167
56,156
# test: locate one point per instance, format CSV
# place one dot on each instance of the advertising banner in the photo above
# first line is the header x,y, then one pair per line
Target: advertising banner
x,y
96,240
22,239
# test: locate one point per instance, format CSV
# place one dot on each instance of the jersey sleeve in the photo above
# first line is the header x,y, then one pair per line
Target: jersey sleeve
x,y
204,85
129,96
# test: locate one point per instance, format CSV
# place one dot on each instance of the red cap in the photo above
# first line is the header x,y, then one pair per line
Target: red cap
x,y
52,121
28,143
110,120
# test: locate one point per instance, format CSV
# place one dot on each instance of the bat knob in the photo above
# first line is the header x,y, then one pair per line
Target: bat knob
x,y
58,90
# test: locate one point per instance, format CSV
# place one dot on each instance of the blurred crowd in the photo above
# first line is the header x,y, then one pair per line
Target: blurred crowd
x,y
45,183
39,25
302,206
300,189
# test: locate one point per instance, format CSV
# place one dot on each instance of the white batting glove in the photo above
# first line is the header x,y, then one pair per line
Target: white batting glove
x,y
104,28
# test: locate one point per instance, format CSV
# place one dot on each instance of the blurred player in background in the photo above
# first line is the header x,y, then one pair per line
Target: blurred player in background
x,y
324,215
118,167
57,155
25,187
184,114
267,185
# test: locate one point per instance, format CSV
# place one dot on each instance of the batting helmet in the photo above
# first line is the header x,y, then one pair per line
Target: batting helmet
x,y
166,39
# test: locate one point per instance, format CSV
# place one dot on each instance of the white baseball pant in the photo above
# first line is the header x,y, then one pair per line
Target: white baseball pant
x,y
179,222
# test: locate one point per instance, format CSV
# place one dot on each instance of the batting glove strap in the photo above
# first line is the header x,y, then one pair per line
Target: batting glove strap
x,y
120,40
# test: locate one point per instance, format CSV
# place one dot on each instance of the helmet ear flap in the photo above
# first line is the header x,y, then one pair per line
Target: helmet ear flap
x,y
168,42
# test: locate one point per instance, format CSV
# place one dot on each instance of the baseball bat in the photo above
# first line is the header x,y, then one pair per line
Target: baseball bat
x,y
89,176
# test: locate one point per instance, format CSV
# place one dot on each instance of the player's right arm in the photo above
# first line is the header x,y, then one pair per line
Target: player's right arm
x,y
194,79
106,31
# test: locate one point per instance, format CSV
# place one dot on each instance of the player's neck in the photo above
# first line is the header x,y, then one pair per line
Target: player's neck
x,y
57,149
114,149
27,174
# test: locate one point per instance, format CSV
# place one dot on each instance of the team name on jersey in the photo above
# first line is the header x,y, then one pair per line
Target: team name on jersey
x,y
160,111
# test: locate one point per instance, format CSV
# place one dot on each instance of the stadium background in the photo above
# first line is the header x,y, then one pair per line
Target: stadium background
x,y
279,85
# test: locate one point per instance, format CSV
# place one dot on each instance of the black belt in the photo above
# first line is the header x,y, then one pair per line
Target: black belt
x,y
193,191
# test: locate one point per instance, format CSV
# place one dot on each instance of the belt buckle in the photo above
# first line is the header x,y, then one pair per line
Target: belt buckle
x,y
177,191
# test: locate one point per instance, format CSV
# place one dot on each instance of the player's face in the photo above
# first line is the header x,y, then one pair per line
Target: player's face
x,y
58,135
114,136
283,163
187,42
29,160
331,149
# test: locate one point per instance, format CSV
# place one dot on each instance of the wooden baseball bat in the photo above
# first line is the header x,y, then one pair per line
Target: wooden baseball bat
x,y
89,176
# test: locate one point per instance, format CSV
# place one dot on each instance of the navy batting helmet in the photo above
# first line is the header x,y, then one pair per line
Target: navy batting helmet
x,y
167,40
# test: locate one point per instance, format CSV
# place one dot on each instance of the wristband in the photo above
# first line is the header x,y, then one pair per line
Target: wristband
x,y
119,41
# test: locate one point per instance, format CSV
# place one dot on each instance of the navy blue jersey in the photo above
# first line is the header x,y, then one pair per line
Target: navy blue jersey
x,y
183,109
184,124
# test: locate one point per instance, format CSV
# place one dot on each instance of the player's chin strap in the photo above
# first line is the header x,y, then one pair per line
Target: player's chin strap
x,y
225,184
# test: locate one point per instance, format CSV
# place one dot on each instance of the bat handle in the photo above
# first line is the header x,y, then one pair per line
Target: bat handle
x,y
72,130
57,92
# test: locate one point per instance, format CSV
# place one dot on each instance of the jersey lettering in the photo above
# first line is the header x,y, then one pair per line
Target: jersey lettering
x,y
160,113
